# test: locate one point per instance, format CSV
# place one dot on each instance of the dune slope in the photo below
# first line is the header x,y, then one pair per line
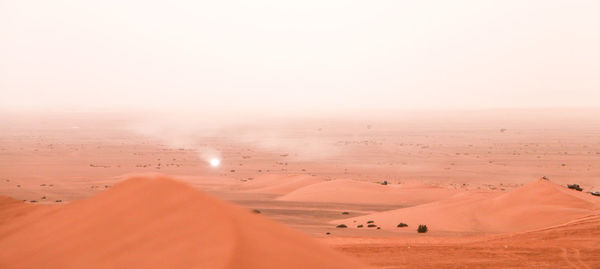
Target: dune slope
x,y
157,223
277,184
537,205
360,192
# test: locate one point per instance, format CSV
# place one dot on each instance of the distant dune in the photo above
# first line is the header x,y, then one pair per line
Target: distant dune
x,y
536,205
361,192
153,223
277,184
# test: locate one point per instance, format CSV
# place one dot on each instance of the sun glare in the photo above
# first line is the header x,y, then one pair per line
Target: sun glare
x,y
214,162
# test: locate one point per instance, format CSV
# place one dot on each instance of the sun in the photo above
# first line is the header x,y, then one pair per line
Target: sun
x,y
214,162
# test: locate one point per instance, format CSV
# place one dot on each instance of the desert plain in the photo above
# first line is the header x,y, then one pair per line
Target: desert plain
x,y
102,190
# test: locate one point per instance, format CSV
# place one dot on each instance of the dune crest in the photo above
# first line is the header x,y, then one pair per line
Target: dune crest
x,y
536,205
157,223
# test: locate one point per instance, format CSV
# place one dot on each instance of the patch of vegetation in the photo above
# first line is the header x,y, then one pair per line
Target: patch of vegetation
x,y
345,213
370,221
422,228
402,224
371,225
359,226
574,187
341,226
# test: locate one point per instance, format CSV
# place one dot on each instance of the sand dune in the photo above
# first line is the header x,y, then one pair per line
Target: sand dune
x,y
11,208
571,245
352,191
277,184
537,205
154,223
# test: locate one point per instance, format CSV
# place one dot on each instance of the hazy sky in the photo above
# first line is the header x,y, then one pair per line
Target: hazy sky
x,y
299,55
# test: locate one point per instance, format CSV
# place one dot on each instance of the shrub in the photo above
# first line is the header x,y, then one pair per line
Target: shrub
x,y
574,187
341,226
378,228
422,228
371,225
345,213
255,211
402,224
370,221
359,226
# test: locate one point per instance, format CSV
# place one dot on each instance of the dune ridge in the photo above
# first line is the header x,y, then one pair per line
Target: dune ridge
x,y
536,205
156,222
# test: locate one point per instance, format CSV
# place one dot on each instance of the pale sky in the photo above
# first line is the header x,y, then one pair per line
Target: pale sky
x,y
279,56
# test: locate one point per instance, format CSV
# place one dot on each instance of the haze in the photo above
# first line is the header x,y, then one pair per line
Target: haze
x,y
278,57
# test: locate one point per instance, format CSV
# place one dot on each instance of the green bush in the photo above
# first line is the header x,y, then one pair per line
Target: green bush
x,y
402,224
422,228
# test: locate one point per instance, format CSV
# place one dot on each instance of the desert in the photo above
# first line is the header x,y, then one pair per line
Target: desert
x,y
299,134
103,195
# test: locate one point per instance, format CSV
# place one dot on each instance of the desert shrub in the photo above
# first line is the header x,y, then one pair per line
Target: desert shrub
x,y
255,211
341,226
378,228
370,221
384,182
402,224
345,213
359,226
327,233
58,201
422,228
574,187
371,225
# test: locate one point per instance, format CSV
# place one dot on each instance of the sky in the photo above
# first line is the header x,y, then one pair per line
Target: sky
x,y
298,56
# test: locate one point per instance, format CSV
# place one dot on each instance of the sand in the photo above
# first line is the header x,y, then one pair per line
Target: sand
x,y
277,184
361,192
476,188
536,205
156,223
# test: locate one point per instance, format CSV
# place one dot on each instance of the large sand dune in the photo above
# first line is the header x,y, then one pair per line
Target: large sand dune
x,y
536,205
361,192
154,223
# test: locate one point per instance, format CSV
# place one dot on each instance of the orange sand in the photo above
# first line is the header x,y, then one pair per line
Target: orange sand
x,y
155,223
472,184
536,205
360,192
